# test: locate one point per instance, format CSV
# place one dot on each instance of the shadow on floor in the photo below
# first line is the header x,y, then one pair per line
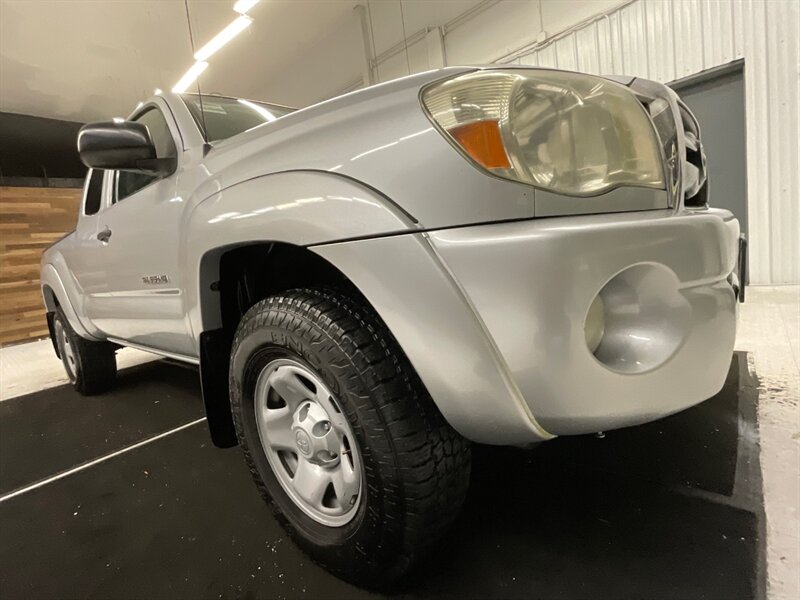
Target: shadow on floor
x,y
626,516
667,510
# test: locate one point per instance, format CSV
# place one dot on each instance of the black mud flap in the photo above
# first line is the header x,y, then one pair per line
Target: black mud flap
x,y
741,267
51,328
215,355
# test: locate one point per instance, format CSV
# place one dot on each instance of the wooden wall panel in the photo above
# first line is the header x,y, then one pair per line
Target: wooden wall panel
x,y
30,220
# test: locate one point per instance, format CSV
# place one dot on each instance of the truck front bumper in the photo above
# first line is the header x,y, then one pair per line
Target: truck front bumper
x,y
669,310
493,317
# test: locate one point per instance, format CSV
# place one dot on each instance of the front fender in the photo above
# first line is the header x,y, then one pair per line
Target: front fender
x,y
302,208
434,321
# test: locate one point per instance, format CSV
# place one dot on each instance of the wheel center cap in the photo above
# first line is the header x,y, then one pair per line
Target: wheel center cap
x,y
303,442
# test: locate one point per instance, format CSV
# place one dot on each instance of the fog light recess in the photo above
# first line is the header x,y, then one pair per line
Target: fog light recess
x,y
595,323
638,320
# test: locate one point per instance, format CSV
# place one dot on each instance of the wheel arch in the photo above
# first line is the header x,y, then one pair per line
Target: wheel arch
x,y
263,227
232,279
294,208
50,298
54,295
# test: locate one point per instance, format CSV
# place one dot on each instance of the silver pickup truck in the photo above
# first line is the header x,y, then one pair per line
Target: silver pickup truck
x,y
498,255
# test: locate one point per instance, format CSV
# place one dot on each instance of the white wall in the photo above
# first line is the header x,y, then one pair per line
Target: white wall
x,y
311,75
472,32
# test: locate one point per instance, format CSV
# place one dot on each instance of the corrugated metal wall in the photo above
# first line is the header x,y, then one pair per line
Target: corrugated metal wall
x,y
670,39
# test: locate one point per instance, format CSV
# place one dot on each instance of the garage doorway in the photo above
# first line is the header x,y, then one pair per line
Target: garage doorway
x,y
716,97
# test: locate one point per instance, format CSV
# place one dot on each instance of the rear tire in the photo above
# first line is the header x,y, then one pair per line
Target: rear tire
x,y
413,467
91,366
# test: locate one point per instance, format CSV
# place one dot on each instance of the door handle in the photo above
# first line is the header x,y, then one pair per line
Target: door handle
x,y
104,235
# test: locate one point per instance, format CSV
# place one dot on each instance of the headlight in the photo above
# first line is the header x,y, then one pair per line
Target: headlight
x,y
565,132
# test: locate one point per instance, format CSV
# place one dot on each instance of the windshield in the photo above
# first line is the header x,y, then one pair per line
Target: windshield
x,y
225,117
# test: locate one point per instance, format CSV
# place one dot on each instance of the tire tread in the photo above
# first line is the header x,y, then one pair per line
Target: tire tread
x,y
429,462
97,370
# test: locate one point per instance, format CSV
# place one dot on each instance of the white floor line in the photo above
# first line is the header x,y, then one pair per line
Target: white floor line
x,y
96,461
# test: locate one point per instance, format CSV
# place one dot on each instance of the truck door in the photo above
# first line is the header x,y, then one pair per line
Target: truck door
x,y
141,300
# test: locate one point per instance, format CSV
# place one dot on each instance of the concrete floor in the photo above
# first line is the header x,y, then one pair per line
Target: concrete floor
x,y
123,496
31,367
769,330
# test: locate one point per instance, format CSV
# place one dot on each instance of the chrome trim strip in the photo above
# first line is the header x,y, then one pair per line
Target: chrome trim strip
x,y
137,293
173,355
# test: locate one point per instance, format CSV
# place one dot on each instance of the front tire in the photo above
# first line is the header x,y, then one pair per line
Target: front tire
x,y
320,389
91,366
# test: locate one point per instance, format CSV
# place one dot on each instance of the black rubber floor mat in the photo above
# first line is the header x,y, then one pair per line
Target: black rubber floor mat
x,y
181,519
53,430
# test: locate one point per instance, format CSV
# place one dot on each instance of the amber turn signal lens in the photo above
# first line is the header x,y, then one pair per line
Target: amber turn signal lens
x,y
483,142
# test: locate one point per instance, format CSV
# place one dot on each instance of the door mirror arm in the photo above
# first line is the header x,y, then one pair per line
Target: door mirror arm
x,y
160,167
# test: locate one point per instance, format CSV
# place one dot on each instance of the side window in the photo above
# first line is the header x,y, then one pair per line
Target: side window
x,y
130,183
94,192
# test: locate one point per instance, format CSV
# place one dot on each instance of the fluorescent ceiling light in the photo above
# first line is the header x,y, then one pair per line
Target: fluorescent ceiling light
x,y
189,77
259,109
223,37
242,6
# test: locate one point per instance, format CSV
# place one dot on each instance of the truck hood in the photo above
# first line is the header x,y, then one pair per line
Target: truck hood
x,y
382,138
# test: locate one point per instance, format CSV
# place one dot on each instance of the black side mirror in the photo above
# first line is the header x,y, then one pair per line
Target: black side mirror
x,y
123,146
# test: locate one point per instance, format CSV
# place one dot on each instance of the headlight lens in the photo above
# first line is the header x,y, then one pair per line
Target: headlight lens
x,y
565,132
